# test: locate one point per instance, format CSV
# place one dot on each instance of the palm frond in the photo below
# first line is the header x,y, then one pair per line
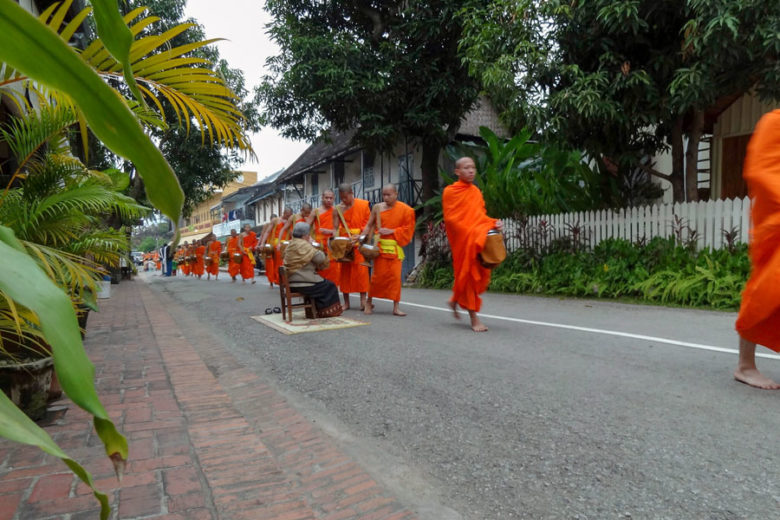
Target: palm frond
x,y
161,72
27,136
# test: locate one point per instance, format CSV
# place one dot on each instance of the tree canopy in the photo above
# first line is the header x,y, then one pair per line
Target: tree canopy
x,y
623,79
385,69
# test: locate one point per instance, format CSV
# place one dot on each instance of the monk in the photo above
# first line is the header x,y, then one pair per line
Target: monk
x,y
279,236
185,265
303,216
355,212
248,243
265,239
214,248
467,225
200,267
322,220
394,222
233,248
759,315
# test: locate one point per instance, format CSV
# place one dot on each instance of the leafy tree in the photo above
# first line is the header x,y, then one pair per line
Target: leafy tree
x,y
385,69
624,79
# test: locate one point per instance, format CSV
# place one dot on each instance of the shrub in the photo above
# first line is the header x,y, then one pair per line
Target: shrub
x,y
660,271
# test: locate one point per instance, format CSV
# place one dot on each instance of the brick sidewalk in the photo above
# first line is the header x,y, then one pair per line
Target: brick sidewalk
x,y
203,445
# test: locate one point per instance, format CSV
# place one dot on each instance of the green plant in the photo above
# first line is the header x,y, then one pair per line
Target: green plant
x,y
657,271
522,177
30,49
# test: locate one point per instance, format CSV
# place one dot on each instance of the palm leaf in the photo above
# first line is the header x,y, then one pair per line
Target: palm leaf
x,y
160,72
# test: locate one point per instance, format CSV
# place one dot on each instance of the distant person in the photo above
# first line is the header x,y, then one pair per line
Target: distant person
x,y
265,240
248,242
233,248
213,250
199,267
467,225
759,316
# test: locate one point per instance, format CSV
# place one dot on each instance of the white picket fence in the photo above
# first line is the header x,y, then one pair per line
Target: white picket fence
x,y
702,222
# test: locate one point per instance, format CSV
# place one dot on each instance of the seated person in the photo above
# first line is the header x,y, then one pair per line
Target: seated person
x,y
302,261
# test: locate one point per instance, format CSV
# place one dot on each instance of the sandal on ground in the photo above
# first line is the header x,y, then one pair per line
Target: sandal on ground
x,y
277,310
269,310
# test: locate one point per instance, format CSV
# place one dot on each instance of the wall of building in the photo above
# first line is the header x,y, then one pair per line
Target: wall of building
x,y
739,119
201,219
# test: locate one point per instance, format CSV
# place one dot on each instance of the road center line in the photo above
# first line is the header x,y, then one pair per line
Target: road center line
x,y
654,339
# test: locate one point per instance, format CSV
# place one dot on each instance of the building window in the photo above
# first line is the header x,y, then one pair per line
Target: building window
x,y
315,183
338,173
368,170
405,168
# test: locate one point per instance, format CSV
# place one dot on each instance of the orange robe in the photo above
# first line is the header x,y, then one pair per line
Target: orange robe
x,y
467,225
232,247
354,277
199,268
268,261
215,248
183,265
277,259
759,315
386,276
333,272
247,266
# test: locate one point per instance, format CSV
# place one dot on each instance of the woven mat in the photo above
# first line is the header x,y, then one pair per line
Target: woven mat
x,y
300,324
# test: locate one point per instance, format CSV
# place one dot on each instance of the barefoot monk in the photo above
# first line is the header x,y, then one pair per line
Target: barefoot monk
x,y
354,214
759,316
322,222
394,222
467,225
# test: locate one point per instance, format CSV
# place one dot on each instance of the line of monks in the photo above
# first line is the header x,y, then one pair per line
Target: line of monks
x,y
388,228
202,257
342,231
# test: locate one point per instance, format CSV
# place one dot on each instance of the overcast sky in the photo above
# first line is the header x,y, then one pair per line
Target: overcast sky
x,y
246,46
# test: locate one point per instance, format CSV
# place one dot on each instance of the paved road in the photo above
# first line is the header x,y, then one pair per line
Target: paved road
x,y
530,420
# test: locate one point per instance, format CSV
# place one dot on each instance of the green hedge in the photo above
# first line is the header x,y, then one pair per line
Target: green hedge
x,y
659,271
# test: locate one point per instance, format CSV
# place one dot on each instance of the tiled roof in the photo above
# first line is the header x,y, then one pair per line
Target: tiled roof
x,y
332,146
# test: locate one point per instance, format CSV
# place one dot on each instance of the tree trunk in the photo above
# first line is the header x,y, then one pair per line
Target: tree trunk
x,y
676,177
692,156
430,171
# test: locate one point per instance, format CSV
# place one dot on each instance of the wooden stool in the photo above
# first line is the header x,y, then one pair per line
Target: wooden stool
x,y
288,294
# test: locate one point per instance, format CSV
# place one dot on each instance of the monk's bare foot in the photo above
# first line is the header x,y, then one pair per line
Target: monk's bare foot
x,y
454,307
476,323
752,377
399,313
368,308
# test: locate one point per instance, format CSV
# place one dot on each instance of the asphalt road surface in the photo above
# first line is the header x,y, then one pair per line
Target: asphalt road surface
x,y
564,409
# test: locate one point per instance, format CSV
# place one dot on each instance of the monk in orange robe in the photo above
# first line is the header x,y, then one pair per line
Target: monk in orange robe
x,y
248,243
354,275
322,222
467,225
214,249
279,235
183,264
759,316
233,248
303,216
394,223
200,251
